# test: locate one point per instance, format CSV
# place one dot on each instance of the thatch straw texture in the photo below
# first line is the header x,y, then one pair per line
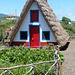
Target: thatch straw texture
x,y
55,26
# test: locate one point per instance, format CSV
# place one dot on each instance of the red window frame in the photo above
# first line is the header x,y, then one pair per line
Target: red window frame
x,y
34,14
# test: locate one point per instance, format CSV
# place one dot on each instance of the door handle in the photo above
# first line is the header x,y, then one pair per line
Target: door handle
x,y
32,39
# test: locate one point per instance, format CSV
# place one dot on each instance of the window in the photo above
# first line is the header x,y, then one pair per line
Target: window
x,y
34,15
23,35
46,35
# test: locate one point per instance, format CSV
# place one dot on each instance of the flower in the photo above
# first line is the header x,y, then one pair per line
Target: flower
x,y
36,52
48,54
18,54
51,48
9,48
33,54
39,56
44,50
8,53
17,48
58,49
48,49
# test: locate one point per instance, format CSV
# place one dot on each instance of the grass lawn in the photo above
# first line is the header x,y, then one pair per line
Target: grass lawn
x,y
69,28
7,23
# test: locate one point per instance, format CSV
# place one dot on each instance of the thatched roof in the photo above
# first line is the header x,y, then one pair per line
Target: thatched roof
x,y
55,26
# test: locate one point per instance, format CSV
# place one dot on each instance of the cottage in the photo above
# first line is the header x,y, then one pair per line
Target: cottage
x,y
37,26
11,17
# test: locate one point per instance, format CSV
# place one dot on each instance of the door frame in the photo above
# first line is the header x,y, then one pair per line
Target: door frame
x,y
39,35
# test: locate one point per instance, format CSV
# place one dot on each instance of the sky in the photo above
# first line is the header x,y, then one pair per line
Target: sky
x,y
60,7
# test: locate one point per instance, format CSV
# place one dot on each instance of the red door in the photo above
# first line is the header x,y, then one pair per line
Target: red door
x,y
34,37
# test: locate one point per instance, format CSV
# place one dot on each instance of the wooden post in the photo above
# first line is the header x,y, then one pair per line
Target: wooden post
x,y
57,64
4,73
32,72
55,57
57,69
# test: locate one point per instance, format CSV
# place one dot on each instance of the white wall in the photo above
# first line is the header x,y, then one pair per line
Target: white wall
x,y
43,26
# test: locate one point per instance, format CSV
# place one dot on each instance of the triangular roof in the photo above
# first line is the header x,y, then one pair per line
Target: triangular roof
x,y
53,23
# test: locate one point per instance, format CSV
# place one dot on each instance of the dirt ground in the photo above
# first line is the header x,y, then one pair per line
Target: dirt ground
x,y
68,67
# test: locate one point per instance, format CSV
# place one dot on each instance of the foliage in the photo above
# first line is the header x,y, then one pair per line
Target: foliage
x,y
7,23
50,47
66,20
2,33
69,28
61,56
26,55
73,26
2,18
22,56
4,25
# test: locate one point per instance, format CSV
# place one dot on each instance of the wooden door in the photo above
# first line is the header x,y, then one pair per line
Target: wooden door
x,y
34,36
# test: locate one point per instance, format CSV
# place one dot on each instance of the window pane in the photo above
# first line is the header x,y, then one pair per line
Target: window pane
x,y
23,35
34,16
46,35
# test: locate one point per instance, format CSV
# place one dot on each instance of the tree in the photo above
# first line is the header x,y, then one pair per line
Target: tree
x,y
66,20
2,33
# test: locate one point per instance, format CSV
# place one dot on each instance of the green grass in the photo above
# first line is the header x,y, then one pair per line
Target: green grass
x,y
69,28
73,26
7,23
2,18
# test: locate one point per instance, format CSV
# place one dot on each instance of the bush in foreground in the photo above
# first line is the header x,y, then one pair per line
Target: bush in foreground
x,y
22,56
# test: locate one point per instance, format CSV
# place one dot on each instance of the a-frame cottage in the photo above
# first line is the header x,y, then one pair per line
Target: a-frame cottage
x,y
37,26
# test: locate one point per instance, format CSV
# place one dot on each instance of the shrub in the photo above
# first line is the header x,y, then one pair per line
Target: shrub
x,y
21,56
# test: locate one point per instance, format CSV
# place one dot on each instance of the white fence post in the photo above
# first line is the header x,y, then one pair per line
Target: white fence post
x,y
32,72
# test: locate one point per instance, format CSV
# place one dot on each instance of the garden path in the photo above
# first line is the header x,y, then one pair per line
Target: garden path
x,y
68,67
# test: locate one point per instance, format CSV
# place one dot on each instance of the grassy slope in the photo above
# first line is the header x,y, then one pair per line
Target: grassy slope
x,y
73,25
1,18
69,28
7,23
